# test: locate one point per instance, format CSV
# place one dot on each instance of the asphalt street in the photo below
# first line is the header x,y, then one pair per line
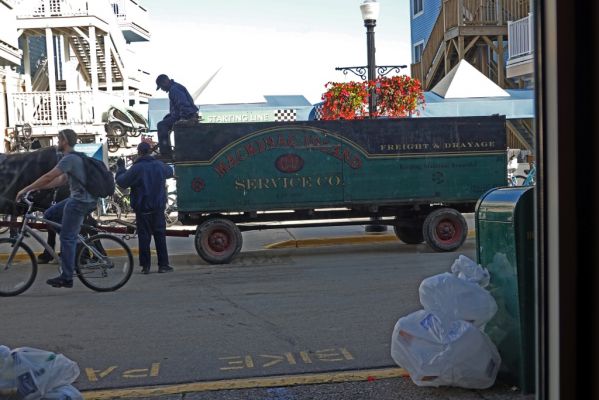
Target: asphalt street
x,y
281,312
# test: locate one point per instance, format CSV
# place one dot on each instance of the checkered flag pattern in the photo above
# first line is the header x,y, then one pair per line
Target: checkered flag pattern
x,y
318,112
287,115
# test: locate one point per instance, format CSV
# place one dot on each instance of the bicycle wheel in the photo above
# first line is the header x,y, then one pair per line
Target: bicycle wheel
x,y
104,263
18,275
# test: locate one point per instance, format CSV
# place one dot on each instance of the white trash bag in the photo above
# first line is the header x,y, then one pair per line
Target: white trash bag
x,y
67,392
453,298
32,373
465,268
444,353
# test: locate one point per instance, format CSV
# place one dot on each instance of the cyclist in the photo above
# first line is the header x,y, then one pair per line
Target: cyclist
x,y
147,180
69,212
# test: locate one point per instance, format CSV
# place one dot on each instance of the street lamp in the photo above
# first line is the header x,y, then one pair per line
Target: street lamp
x,y
370,12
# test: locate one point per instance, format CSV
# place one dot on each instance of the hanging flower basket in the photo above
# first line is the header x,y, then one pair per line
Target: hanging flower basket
x,y
345,100
397,97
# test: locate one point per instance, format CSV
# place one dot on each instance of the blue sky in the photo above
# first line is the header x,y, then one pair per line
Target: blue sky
x,y
267,47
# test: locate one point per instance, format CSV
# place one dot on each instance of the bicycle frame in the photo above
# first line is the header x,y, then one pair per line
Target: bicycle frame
x,y
25,230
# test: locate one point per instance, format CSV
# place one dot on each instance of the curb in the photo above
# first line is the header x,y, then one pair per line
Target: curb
x,y
247,383
362,239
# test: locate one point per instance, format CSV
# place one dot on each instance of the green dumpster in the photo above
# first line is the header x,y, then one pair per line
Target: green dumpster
x,y
504,219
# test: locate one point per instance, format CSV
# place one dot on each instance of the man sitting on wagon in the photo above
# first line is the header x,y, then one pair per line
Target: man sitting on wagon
x,y
181,108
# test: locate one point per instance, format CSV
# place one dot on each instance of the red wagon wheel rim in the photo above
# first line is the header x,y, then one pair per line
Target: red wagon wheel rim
x,y
448,231
218,241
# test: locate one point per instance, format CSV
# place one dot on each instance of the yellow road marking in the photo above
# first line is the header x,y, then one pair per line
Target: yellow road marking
x,y
22,256
331,241
289,380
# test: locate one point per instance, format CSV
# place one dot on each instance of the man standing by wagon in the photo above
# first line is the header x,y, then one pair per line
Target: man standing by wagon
x,y
147,180
181,106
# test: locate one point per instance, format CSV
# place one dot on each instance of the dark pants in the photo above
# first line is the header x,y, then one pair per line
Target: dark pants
x,y
148,225
70,213
164,140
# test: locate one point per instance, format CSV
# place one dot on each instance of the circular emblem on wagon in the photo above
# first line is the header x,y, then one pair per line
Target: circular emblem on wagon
x,y
289,163
198,184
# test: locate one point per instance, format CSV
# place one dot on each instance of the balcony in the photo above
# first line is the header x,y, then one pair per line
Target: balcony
x,y
63,13
73,108
521,47
133,20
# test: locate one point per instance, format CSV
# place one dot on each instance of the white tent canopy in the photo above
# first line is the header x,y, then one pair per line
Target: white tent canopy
x,y
465,81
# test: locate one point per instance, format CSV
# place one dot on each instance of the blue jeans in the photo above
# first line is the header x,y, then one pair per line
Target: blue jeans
x,y
148,225
164,129
70,213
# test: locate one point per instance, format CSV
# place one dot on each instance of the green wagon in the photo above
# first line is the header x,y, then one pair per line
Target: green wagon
x,y
416,174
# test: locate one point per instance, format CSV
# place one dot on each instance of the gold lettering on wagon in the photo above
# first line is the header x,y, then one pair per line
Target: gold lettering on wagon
x,y
410,147
286,183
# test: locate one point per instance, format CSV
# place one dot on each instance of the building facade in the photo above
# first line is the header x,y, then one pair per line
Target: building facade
x,y
423,14
77,59
495,36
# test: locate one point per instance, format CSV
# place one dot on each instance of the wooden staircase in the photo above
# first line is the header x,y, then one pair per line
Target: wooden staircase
x,y
82,50
468,29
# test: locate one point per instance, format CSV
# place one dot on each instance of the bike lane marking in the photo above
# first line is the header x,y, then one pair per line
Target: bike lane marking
x,y
249,383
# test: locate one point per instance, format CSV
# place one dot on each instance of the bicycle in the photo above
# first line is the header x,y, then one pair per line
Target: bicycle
x,y
531,175
106,207
512,178
171,207
122,200
103,262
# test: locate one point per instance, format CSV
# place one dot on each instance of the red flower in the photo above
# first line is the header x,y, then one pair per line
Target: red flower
x,y
399,96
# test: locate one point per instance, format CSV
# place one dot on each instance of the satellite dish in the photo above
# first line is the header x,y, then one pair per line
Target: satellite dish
x,y
198,92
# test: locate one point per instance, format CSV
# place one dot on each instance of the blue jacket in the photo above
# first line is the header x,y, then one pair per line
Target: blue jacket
x,y
181,102
147,179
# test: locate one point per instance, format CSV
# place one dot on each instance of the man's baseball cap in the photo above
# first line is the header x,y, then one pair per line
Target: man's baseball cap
x,y
161,78
144,147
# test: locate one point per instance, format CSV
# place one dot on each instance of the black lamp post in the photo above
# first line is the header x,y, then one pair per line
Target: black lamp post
x,y
370,12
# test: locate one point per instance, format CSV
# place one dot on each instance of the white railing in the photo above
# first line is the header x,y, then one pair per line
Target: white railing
x,y
129,12
64,8
71,108
76,107
520,37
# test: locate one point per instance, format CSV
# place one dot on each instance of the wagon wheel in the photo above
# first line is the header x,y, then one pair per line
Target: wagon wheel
x,y
218,240
409,234
445,229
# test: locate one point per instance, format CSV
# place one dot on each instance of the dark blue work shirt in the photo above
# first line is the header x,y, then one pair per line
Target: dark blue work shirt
x,y
181,102
147,179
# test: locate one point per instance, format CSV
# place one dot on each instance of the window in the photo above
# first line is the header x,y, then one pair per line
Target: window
x,y
417,7
418,49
